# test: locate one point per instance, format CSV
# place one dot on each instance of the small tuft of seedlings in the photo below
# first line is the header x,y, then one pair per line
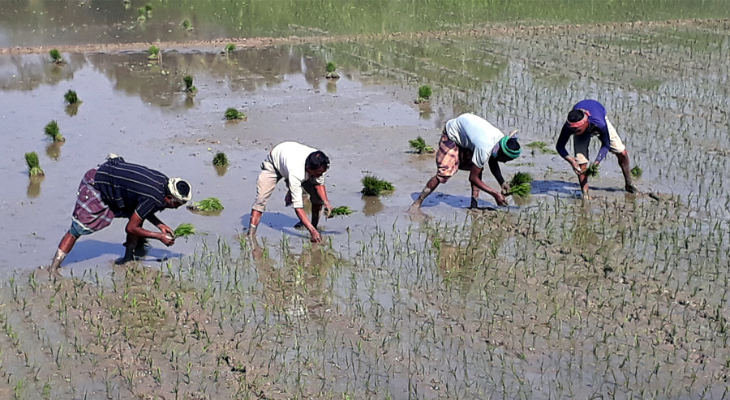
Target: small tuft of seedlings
x,y
593,171
234,115
56,56
424,94
331,73
636,172
153,53
419,146
542,146
184,230
34,164
71,98
520,185
211,204
230,47
54,132
187,25
220,159
373,186
189,88
341,211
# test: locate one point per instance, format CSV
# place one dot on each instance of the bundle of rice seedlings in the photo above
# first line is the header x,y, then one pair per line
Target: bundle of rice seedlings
x,y
424,94
636,171
54,132
520,185
331,73
189,84
419,146
341,211
220,159
373,186
207,205
153,53
233,114
34,164
230,47
71,98
184,230
542,146
187,25
592,171
56,56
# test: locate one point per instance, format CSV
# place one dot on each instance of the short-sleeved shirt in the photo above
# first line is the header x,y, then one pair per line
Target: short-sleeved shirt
x,y
128,188
289,159
597,126
476,134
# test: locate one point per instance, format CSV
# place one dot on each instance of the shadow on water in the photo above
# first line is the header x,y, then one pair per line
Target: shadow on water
x,y
87,249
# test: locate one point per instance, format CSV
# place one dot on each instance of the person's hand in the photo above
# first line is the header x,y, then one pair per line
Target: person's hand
x,y
166,230
327,209
316,236
287,199
505,188
167,239
500,199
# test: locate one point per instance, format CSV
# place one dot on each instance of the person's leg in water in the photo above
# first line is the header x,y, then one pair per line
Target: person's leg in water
x,y
474,203
64,247
431,185
624,163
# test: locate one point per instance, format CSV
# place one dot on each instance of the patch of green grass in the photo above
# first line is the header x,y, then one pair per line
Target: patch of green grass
x,y
636,172
207,205
54,132
184,230
34,164
373,186
71,98
234,115
220,159
419,146
341,211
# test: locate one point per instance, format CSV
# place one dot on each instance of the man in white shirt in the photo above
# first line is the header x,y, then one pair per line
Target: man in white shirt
x,y
470,142
303,169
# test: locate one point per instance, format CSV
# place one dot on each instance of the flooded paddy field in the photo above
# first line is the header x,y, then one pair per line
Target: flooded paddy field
x,y
621,296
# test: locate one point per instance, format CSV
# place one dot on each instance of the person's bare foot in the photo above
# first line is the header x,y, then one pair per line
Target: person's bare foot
x,y
631,188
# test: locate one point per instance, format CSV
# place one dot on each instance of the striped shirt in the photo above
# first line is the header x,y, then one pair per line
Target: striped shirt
x,y
128,188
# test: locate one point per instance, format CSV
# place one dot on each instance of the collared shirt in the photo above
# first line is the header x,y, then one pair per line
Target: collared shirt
x,y
289,159
476,134
128,188
596,127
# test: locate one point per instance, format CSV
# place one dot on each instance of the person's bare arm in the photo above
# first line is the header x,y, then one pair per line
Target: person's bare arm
x,y
134,227
474,180
316,237
322,192
160,225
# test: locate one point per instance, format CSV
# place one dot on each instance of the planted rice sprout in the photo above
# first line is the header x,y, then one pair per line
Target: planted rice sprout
x,y
520,185
189,88
593,171
52,130
184,230
419,146
636,172
542,146
56,56
230,47
71,98
186,24
331,73
34,164
220,159
341,211
234,115
424,94
374,186
153,53
210,204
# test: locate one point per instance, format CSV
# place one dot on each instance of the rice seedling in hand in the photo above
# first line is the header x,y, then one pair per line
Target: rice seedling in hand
x,y
520,185
189,88
56,56
233,115
184,230
211,204
34,164
592,171
419,146
424,94
220,159
341,211
636,172
373,186
71,98
331,73
54,132
153,53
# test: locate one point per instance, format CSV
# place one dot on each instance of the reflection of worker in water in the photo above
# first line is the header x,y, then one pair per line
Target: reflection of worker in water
x,y
586,119
117,189
469,142
303,169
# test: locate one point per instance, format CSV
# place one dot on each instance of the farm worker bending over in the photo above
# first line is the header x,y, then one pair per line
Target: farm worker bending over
x,y
303,169
469,142
586,119
118,189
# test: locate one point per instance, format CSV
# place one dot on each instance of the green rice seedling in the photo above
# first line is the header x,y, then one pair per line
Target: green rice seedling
x,y
424,94
142,14
419,146
233,115
56,56
153,53
207,205
331,73
54,132
373,186
230,47
186,24
189,84
34,164
636,172
71,98
341,211
520,185
148,8
593,171
542,146
184,230
220,159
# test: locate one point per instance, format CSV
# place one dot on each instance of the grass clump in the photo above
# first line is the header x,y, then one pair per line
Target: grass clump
x,y
520,185
207,205
54,132
341,211
184,230
331,73
153,53
220,159
233,115
34,164
636,172
373,186
424,94
189,84
419,146
593,171
56,56
71,98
